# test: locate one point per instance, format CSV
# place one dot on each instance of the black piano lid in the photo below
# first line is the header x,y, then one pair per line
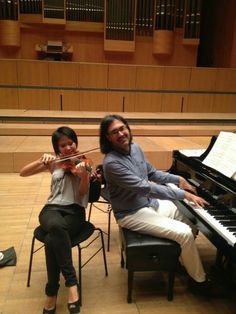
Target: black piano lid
x,y
210,172
214,175
212,142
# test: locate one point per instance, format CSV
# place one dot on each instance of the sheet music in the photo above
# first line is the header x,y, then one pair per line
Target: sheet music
x,y
222,156
192,152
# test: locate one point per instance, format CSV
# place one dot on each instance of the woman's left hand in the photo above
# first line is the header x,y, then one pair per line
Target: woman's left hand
x,y
81,170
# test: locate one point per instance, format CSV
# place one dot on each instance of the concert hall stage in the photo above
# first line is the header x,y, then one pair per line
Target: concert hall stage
x,y
25,134
24,115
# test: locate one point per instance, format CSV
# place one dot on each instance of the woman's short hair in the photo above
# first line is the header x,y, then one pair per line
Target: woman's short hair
x,y
105,144
59,133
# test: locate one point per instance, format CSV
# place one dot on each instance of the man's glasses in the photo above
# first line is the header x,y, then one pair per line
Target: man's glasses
x,y
116,131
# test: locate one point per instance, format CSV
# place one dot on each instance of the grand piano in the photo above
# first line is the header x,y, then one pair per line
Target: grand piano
x,y
218,220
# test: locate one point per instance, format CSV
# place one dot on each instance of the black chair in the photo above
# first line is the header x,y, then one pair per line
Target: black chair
x,y
77,240
104,200
140,252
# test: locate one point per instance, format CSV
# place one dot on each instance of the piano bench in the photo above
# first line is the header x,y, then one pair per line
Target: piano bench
x,y
147,253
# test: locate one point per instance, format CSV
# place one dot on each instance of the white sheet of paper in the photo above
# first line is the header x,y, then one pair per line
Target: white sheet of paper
x,y
222,156
192,152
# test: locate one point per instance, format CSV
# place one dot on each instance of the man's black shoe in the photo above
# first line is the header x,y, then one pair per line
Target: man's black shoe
x,y
207,288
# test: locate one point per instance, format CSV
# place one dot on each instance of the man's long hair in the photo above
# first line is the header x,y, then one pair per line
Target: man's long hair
x,y
105,144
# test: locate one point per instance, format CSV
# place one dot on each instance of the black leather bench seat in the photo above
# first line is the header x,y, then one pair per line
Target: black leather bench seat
x,y
140,252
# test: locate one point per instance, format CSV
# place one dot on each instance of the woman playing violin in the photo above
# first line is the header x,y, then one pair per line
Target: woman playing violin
x,y
63,214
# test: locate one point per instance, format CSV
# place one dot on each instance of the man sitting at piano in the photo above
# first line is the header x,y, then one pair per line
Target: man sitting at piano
x,y
141,200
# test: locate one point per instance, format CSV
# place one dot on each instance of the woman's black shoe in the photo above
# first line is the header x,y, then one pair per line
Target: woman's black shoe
x,y
53,311
74,308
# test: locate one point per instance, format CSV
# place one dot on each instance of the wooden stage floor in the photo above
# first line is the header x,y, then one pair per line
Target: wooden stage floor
x,y
21,202
22,199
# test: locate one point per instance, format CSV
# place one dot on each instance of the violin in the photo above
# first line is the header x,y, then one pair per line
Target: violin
x,y
72,164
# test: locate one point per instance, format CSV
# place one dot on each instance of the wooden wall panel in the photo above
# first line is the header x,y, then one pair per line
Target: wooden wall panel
x,y
8,72
226,80
233,48
93,75
64,100
9,98
148,102
149,77
6,161
128,102
114,76
64,74
121,76
224,103
173,102
32,73
202,79
176,78
116,101
93,101
119,101
34,99
198,103
8,76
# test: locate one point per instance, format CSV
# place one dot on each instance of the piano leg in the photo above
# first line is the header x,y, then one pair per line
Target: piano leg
x,y
225,268
230,271
219,262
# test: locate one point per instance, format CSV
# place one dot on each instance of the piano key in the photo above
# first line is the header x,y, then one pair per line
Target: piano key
x,y
209,218
228,223
224,218
215,224
218,211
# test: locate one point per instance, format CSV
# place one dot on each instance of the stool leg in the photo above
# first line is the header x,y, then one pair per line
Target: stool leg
x,y
171,279
130,285
30,261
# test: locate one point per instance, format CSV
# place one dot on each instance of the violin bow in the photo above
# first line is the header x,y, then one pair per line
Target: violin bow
x,y
75,155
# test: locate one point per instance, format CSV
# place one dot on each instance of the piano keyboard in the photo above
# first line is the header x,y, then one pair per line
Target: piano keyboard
x,y
216,224
224,222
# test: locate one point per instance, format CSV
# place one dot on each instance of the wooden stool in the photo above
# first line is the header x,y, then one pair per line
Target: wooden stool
x,y
147,253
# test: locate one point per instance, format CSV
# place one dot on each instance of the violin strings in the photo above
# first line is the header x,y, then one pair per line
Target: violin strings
x,y
75,155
